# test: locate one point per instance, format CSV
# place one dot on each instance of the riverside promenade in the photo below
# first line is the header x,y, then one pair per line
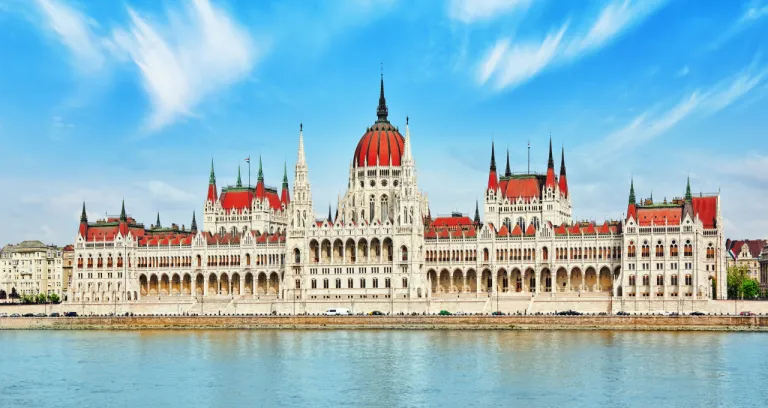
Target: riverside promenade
x,y
399,322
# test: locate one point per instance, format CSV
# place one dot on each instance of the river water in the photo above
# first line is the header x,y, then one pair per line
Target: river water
x,y
371,368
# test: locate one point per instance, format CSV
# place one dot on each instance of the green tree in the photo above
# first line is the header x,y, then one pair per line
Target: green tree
x,y
41,298
737,275
54,298
750,289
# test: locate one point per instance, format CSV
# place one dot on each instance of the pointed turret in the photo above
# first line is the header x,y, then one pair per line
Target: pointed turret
x,y
285,197
382,111
688,195
300,159
688,206
407,148
157,223
123,216
551,182
477,213
493,181
563,181
239,182
83,215
330,219
507,172
632,206
212,193
260,177
193,228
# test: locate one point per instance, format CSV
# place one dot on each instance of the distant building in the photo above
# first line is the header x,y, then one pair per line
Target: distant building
x,y
746,252
68,262
764,268
30,268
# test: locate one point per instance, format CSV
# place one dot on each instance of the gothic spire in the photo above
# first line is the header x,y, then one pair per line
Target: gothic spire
x,y
83,215
193,228
157,223
123,217
632,192
407,147
285,173
330,219
493,157
239,182
688,195
382,111
212,178
507,172
261,173
300,159
562,162
477,213
551,162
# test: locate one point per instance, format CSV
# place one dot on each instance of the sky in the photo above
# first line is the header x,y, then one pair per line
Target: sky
x,y
105,101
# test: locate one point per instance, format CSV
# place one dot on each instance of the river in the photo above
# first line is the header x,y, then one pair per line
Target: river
x,y
370,368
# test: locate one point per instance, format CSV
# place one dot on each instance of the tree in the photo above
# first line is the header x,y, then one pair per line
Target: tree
x,y
750,289
737,275
54,298
41,298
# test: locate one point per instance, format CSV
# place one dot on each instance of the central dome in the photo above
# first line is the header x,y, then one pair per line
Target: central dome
x,y
382,144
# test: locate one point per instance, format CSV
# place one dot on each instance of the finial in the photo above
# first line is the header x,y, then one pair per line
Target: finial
x,y
381,111
551,162
157,224
261,173
123,216
301,127
239,182
193,228
406,120
507,172
493,156
562,161
632,191
83,215
212,179
285,175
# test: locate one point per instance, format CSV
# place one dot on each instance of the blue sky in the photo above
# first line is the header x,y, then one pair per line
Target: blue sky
x,y
101,101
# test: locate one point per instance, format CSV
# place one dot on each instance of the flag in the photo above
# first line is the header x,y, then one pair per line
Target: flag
x,y
247,159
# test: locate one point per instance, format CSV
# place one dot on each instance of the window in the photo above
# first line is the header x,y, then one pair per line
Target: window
x,y
688,248
631,280
338,283
659,249
387,283
325,283
710,251
673,280
404,250
631,250
688,280
372,206
646,250
362,283
375,283
384,208
646,280
660,280
405,282
314,284
350,283
298,284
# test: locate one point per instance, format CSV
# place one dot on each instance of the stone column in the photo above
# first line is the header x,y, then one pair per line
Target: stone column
x,y
205,285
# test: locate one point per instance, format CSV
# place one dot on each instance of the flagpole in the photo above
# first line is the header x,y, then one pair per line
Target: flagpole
x,y
249,171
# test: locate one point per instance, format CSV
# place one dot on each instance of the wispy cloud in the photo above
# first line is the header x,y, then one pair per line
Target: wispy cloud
x,y
655,122
683,71
472,11
508,65
199,51
747,19
74,30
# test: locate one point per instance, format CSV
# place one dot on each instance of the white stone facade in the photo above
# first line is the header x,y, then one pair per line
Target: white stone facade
x,y
383,245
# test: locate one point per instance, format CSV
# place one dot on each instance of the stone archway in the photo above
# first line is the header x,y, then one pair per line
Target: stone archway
x,y
143,285
261,284
236,284
433,283
186,284
546,280
153,285
274,284
529,281
176,284
606,283
590,280
248,289
485,281
444,285
471,281
561,281
213,285
502,280
576,280
457,284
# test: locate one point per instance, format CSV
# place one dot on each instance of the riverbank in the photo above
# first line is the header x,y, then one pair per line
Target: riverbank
x,y
627,323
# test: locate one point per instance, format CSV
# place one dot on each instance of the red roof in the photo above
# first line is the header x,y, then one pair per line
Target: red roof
x,y
493,181
755,246
212,195
531,230
237,199
517,231
381,145
285,197
503,231
706,209
561,230
527,188
563,185
451,221
551,179
659,215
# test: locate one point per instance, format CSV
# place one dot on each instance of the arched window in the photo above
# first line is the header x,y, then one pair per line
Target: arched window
x,y
405,282
314,284
660,280
688,248
646,249
659,250
646,280
710,251
673,280
508,223
545,254
535,222
297,255
631,250
404,250
521,223
384,208
298,283
372,207
673,249
688,280
485,254
631,280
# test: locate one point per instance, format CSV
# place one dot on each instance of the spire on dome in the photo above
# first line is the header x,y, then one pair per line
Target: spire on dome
x,y
688,195
507,172
212,178
261,173
382,110
123,216
193,228
239,182
632,192
83,215
477,213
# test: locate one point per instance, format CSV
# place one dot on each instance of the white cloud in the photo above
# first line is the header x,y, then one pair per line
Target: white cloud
x,y
472,11
197,53
683,71
653,123
755,13
164,192
74,31
513,64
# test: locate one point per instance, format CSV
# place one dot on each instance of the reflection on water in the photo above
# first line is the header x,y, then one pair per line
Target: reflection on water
x,y
382,368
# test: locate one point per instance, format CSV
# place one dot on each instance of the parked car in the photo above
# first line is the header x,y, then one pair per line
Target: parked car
x,y
622,313
497,313
70,314
54,314
697,313
28,315
3,314
745,313
674,314
338,312
444,313
376,313
41,315
569,313
460,313
15,315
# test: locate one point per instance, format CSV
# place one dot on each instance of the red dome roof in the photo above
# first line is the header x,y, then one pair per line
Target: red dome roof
x,y
381,145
